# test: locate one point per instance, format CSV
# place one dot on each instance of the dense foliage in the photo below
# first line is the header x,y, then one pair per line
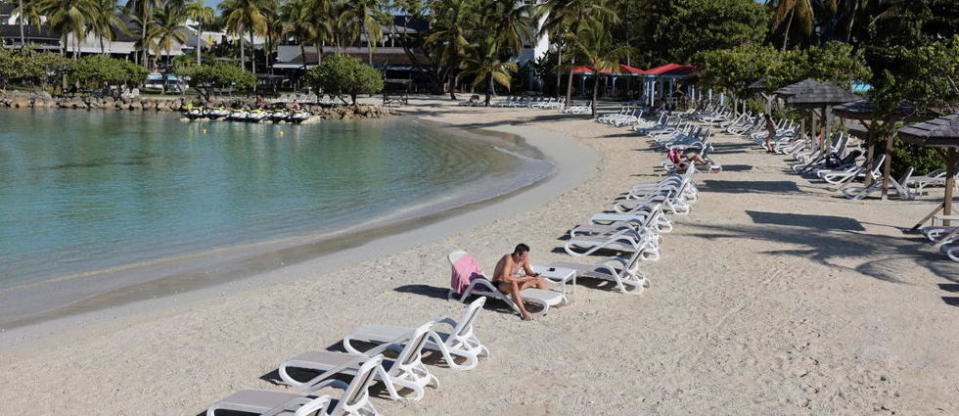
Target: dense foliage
x,y
96,71
344,75
206,78
31,67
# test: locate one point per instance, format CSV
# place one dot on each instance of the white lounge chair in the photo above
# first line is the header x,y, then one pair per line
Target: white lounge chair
x,y
460,342
482,286
626,240
354,402
621,271
405,371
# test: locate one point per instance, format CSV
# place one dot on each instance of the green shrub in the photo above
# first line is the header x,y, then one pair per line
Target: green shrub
x,y
344,75
95,71
219,75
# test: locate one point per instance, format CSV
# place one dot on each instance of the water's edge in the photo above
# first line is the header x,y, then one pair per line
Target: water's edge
x,y
231,269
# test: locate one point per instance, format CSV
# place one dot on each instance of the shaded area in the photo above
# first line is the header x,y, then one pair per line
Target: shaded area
x,y
736,168
819,222
441,292
831,241
743,187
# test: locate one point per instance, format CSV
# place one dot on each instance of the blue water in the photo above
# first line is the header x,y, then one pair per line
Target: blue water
x,y
85,191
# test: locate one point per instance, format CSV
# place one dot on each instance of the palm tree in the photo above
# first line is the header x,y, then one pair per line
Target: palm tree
x,y
67,17
511,23
169,27
202,15
242,17
788,11
564,18
483,63
449,35
108,23
141,11
595,45
368,15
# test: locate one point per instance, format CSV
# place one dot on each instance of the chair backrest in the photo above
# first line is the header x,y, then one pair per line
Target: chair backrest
x,y
358,390
314,407
455,256
412,351
465,323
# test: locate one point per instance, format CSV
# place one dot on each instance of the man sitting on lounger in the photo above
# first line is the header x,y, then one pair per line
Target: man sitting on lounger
x,y
508,277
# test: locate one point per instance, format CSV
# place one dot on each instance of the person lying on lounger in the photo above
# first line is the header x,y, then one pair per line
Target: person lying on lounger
x,y
681,158
513,274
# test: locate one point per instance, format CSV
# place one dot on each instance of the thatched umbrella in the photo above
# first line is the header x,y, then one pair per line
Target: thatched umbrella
x,y
821,95
793,89
863,111
942,132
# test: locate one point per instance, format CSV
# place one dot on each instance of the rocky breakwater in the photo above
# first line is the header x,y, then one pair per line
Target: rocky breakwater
x,y
45,101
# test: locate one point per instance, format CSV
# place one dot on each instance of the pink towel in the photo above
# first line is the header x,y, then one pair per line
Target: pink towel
x,y
464,271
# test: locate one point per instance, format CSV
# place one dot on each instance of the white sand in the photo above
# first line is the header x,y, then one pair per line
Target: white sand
x,y
773,297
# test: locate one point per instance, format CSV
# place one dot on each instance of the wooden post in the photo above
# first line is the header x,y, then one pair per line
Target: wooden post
x,y
887,166
950,184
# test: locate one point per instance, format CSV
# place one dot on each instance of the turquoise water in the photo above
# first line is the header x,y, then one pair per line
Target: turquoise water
x,y
82,192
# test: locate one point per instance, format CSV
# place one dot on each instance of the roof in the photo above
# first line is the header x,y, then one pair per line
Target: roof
x,y
30,32
942,132
862,109
824,93
623,70
792,89
760,84
6,9
672,70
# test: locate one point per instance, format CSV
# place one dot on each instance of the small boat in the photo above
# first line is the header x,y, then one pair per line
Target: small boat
x,y
194,114
217,113
239,115
300,116
279,115
257,116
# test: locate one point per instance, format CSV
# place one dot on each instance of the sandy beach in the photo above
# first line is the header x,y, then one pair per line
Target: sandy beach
x,y
775,296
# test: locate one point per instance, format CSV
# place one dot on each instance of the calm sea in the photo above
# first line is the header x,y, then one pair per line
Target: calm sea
x,y
86,191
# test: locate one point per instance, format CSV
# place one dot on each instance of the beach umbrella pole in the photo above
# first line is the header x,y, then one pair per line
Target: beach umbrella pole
x,y
950,184
886,167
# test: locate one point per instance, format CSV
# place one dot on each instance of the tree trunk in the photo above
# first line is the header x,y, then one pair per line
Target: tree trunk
x,y
559,64
303,55
23,36
252,55
595,93
569,83
489,89
369,45
792,15
242,52
852,21
143,36
199,33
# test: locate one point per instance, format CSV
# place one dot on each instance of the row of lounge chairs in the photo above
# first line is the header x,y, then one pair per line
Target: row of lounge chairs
x,y
313,371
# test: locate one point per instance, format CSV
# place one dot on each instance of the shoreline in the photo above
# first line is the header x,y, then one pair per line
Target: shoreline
x,y
300,255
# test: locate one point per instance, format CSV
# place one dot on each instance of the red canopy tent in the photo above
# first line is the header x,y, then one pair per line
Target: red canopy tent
x,y
672,70
623,70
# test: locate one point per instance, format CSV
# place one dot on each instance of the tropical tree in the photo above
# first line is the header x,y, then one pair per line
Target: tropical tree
x,y
67,17
368,15
27,14
206,78
565,18
449,34
790,12
298,16
244,17
202,15
596,47
141,12
169,27
108,24
483,63
341,74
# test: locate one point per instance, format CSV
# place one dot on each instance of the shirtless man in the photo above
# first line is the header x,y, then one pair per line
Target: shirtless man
x,y
509,280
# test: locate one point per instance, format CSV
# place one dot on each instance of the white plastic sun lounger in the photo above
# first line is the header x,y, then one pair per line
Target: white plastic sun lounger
x,y
482,286
897,188
623,272
460,342
354,402
406,371
626,240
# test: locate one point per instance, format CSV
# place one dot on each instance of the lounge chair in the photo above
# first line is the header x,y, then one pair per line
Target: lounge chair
x,y
625,240
460,342
405,371
897,187
354,402
480,285
619,270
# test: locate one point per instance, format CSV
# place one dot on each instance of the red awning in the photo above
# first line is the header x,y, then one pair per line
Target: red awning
x,y
672,69
623,70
